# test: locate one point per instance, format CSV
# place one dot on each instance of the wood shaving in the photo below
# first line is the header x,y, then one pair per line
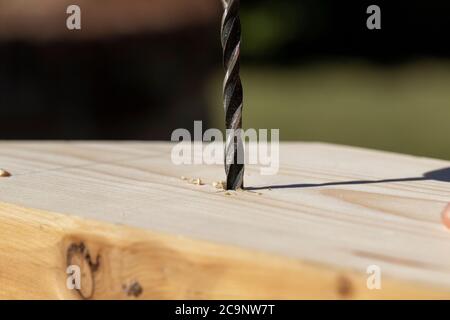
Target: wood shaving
x,y
196,181
219,185
4,173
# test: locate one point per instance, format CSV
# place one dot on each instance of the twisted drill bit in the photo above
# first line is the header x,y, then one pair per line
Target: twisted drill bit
x,y
233,95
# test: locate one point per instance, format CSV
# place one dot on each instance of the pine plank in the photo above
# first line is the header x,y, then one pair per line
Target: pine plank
x,y
331,212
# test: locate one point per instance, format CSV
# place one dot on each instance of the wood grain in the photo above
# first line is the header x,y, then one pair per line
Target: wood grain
x,y
331,212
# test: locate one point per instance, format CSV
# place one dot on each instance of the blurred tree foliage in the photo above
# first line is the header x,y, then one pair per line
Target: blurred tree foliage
x,y
280,32
270,26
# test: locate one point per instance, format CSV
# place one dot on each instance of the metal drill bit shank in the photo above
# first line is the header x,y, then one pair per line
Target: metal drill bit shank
x,y
233,95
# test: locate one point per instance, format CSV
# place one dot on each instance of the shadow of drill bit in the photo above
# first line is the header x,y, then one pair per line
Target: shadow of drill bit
x,y
442,175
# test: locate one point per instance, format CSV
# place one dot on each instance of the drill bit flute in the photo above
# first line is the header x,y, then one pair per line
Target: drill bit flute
x,y
233,95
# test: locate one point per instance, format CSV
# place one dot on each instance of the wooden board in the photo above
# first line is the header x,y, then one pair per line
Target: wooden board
x,y
331,212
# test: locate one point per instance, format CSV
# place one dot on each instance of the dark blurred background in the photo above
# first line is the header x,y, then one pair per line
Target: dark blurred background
x,y
139,69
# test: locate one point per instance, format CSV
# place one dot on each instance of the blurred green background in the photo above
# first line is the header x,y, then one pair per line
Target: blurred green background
x,y
404,109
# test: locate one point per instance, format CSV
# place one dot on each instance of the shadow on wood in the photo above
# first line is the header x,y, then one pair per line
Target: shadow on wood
x,y
442,175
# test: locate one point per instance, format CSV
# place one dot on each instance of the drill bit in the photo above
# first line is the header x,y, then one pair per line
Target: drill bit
x,y
233,95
